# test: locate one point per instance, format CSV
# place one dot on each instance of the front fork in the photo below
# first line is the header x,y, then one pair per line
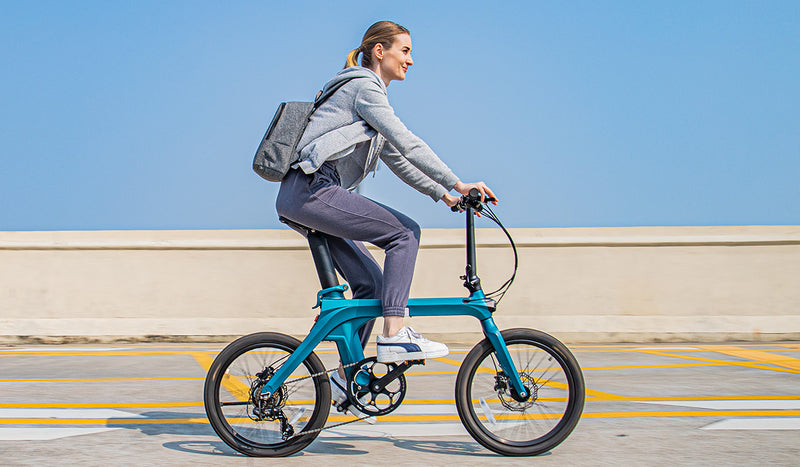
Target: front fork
x,y
518,390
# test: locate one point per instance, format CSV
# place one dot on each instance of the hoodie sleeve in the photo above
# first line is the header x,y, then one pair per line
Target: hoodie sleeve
x,y
373,106
410,174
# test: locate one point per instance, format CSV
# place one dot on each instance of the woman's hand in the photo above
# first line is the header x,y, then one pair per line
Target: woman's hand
x,y
464,188
450,200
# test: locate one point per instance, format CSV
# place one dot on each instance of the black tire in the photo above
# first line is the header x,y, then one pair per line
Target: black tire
x,y
505,426
230,407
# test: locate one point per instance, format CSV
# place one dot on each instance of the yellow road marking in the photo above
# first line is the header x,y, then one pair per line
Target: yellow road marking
x,y
406,402
640,367
449,361
721,362
90,380
237,388
589,392
408,418
110,353
616,398
758,356
695,413
119,353
408,373
96,405
177,350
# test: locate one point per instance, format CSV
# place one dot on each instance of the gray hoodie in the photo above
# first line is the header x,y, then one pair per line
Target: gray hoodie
x,y
357,126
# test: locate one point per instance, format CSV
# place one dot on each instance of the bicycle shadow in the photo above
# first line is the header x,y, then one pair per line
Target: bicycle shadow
x,y
220,449
152,427
444,447
174,423
343,448
179,427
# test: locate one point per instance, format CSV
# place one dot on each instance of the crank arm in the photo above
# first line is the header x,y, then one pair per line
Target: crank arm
x,y
378,386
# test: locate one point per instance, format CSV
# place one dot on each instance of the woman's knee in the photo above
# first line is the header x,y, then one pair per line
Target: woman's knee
x,y
416,231
411,233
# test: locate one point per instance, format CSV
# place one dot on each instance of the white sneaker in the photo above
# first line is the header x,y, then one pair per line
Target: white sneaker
x,y
408,345
339,396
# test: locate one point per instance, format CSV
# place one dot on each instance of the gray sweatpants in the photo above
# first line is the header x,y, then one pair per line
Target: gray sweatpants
x,y
318,201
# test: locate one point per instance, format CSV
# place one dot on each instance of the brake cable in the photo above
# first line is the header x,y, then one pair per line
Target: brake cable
x,y
498,294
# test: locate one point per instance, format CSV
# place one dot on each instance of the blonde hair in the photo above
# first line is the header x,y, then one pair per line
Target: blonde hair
x,y
382,32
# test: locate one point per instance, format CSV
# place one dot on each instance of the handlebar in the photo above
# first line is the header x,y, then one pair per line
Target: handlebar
x,y
471,200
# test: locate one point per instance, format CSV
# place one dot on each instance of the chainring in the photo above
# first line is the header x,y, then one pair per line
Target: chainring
x,y
359,384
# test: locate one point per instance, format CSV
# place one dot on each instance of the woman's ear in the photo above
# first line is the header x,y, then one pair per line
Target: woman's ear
x,y
377,51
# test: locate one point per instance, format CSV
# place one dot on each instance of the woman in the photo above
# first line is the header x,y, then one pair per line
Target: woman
x,y
343,141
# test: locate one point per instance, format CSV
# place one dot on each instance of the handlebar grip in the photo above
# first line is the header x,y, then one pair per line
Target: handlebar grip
x,y
475,195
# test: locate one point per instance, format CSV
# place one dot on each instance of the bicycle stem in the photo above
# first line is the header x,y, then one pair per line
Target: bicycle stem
x,y
471,280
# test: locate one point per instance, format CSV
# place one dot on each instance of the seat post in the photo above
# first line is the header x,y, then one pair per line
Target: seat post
x,y
319,251
322,259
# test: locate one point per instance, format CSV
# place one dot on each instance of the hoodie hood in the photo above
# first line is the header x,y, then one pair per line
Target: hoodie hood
x,y
354,72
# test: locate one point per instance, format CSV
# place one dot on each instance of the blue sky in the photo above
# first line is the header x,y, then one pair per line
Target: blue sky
x,y
145,114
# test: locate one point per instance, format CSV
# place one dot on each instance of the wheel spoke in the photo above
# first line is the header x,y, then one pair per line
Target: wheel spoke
x,y
228,404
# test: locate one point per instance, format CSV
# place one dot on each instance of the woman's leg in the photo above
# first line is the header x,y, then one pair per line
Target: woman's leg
x,y
355,263
318,202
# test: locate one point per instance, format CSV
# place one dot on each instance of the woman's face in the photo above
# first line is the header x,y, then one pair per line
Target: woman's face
x,y
394,62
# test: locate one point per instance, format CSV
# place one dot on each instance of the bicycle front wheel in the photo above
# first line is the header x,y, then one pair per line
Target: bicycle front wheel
x,y
279,425
501,423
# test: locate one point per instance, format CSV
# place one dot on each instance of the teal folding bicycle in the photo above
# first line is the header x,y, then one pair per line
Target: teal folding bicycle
x,y
519,392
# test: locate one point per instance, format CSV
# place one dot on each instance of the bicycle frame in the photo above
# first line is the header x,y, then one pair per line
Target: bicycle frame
x,y
340,319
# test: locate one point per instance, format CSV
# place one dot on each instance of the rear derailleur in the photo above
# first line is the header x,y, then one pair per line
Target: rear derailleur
x,y
269,408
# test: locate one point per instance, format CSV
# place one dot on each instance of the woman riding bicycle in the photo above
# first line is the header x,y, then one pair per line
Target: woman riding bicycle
x,y
342,143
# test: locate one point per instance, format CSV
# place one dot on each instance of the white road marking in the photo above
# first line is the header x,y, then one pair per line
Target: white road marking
x,y
46,433
426,409
773,423
56,413
400,430
755,404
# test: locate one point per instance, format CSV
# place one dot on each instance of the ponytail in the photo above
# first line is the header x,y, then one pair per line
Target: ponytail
x,y
382,32
352,58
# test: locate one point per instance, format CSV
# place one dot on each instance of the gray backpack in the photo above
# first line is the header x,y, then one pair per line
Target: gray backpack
x,y
278,149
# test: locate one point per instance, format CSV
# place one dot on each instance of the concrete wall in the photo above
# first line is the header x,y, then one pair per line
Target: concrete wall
x,y
582,285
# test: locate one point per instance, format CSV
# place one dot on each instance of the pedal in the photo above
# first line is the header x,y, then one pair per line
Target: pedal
x,y
415,362
343,407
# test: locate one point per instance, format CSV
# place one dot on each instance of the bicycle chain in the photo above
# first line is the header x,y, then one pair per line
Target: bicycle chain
x,y
317,430
324,372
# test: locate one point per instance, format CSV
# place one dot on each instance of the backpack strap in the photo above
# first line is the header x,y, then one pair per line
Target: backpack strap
x,y
323,96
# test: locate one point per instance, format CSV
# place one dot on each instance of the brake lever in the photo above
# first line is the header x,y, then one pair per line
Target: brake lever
x,y
468,200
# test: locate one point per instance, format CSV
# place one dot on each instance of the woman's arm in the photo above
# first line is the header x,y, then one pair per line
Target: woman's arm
x,y
408,173
373,106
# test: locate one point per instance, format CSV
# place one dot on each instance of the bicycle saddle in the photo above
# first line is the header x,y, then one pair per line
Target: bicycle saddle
x,y
304,230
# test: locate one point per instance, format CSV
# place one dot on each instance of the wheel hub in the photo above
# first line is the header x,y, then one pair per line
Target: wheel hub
x,y
509,397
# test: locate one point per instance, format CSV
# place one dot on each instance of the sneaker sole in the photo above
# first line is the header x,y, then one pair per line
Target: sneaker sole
x,y
350,410
394,357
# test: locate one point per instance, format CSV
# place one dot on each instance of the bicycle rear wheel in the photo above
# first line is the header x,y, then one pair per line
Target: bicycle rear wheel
x,y
258,426
504,425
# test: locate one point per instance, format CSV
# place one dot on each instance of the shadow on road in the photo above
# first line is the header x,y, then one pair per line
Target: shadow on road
x,y
341,446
